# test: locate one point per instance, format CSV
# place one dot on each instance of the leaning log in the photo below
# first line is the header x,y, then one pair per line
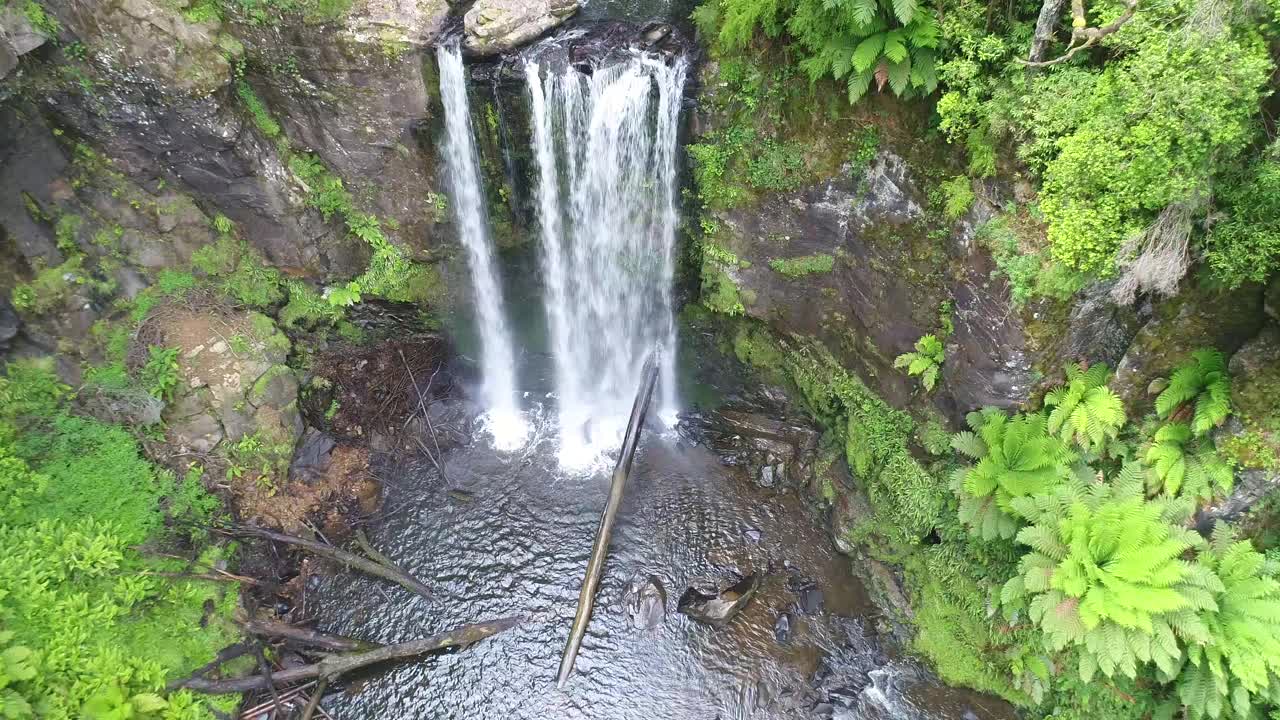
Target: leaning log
x,y
335,666
595,564
362,564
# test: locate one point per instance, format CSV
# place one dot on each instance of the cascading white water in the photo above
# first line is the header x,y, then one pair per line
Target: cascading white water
x,y
605,145
497,361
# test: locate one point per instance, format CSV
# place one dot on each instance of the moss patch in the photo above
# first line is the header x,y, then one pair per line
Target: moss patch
x,y
801,266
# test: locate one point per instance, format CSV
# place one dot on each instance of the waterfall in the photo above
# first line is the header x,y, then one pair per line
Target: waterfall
x,y
605,146
497,362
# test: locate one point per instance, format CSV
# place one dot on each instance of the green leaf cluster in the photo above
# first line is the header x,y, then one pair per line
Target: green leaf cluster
x,y
1016,457
926,361
1085,410
856,42
1201,388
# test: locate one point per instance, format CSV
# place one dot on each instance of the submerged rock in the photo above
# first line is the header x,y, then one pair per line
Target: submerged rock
x,y
647,602
782,628
494,26
715,606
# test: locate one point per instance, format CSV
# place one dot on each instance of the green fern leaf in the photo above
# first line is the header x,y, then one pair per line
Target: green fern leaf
x,y
904,10
866,55
895,49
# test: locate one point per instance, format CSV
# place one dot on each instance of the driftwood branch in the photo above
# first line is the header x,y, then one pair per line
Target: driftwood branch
x,y
306,636
314,702
335,666
1082,36
367,548
362,564
426,416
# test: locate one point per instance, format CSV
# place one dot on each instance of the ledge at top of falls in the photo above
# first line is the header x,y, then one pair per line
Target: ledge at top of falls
x,y
587,45
495,26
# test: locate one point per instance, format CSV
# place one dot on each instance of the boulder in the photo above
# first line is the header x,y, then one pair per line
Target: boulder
x,y
155,41
234,385
646,602
17,38
715,605
494,26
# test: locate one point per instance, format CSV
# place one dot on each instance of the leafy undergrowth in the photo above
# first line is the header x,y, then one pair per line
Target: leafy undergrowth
x,y
92,623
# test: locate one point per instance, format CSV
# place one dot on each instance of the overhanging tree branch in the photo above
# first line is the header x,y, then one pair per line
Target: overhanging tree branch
x,y
1082,36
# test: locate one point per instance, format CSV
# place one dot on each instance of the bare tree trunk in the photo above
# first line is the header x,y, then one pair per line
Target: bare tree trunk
x,y
1050,11
335,666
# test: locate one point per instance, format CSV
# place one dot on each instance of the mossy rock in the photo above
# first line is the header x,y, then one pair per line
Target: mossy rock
x,y
1197,318
1255,398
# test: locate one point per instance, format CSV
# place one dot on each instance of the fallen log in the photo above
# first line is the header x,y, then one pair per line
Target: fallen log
x,y
335,666
599,549
306,636
362,564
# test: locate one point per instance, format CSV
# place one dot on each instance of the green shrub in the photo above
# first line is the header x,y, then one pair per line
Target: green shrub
x,y
1244,246
1014,458
1182,466
854,43
776,166
1106,576
1149,134
160,374
958,195
1085,410
258,111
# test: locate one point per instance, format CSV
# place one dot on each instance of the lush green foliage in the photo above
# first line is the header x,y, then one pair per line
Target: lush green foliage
x,y
264,12
1146,138
1085,410
1106,575
1240,665
1201,388
160,373
89,625
852,41
1016,457
958,195
1032,272
1183,465
1244,246
926,361
1152,118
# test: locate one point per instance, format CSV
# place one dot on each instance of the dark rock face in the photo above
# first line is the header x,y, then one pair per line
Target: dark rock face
x,y
717,606
776,448
883,291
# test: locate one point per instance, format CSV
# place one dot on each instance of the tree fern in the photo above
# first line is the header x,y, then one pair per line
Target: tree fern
x,y
1106,574
1239,668
1085,410
1201,389
926,361
1183,466
1016,457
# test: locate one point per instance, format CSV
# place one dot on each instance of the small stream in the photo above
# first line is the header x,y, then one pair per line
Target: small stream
x,y
509,535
